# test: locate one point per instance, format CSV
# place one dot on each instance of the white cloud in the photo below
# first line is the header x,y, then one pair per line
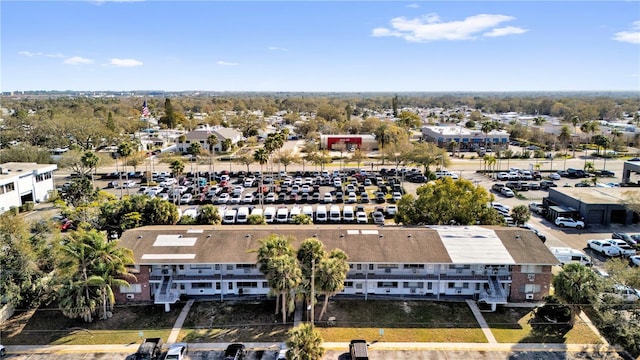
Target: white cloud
x,y
226,63
631,37
277,48
507,30
29,53
413,6
77,60
430,27
125,62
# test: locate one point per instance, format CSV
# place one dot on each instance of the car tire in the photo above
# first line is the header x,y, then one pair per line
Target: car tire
x,y
561,225
578,227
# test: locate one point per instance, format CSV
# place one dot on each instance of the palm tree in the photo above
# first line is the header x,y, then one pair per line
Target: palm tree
x,y
331,274
489,161
177,167
577,285
304,343
270,248
382,135
285,278
486,128
310,253
90,160
88,266
261,156
195,149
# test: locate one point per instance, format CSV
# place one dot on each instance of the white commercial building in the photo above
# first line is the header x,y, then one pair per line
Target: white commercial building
x,y
24,182
467,139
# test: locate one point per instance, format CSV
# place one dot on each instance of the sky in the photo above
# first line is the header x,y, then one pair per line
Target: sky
x,y
320,46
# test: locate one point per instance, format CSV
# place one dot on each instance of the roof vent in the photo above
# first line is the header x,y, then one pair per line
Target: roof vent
x,y
380,236
409,236
179,236
341,235
315,235
139,236
247,235
209,236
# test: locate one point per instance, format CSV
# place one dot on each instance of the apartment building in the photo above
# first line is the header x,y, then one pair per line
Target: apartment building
x,y
494,265
24,182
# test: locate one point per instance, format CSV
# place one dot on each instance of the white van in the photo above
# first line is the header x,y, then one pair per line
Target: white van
x,y
270,214
243,215
256,211
295,211
568,255
348,215
230,216
308,210
321,214
334,213
282,215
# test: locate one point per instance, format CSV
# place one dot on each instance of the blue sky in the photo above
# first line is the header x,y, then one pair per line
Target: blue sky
x,y
320,46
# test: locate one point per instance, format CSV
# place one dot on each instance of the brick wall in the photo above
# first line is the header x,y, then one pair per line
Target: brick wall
x,y
519,280
142,278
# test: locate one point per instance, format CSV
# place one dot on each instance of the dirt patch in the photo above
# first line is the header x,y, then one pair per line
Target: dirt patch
x,y
234,322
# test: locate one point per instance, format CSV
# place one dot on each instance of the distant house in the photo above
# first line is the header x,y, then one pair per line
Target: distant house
x,y
494,265
366,142
24,182
201,134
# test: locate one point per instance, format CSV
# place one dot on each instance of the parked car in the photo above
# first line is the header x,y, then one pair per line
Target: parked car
x,y
176,351
569,222
327,198
634,260
626,237
505,191
235,352
185,199
623,293
536,207
378,217
545,184
605,173
361,217
396,196
604,247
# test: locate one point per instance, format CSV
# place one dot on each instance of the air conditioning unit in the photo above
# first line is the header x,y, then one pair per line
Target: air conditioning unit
x,y
531,277
387,270
165,271
246,271
415,270
413,291
459,271
130,296
458,291
529,296
388,291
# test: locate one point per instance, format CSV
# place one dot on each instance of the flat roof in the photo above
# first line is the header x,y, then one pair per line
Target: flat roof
x,y
13,169
183,244
596,195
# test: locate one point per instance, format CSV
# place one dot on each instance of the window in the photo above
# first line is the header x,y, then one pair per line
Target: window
x,y
348,284
217,267
359,266
387,266
265,285
371,267
458,266
180,267
414,266
229,267
413,285
531,269
200,266
465,285
9,187
217,286
532,288
246,266
131,289
201,285
247,284
387,284
429,285
359,286
230,286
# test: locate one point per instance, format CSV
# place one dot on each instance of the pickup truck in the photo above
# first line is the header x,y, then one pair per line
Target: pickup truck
x,y
604,247
625,249
150,349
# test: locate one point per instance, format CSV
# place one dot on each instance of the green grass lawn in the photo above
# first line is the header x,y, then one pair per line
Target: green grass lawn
x,y
420,321
514,325
49,327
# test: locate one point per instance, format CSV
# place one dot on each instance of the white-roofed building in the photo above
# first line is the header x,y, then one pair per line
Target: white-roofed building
x,y
24,182
201,134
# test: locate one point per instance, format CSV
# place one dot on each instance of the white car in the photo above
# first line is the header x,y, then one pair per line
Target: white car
x,y
604,247
554,176
282,353
635,260
223,198
569,222
505,191
327,198
176,351
186,198
248,199
624,293
396,196
625,249
361,217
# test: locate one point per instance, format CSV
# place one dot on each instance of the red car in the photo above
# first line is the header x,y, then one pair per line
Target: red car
x,y
67,225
